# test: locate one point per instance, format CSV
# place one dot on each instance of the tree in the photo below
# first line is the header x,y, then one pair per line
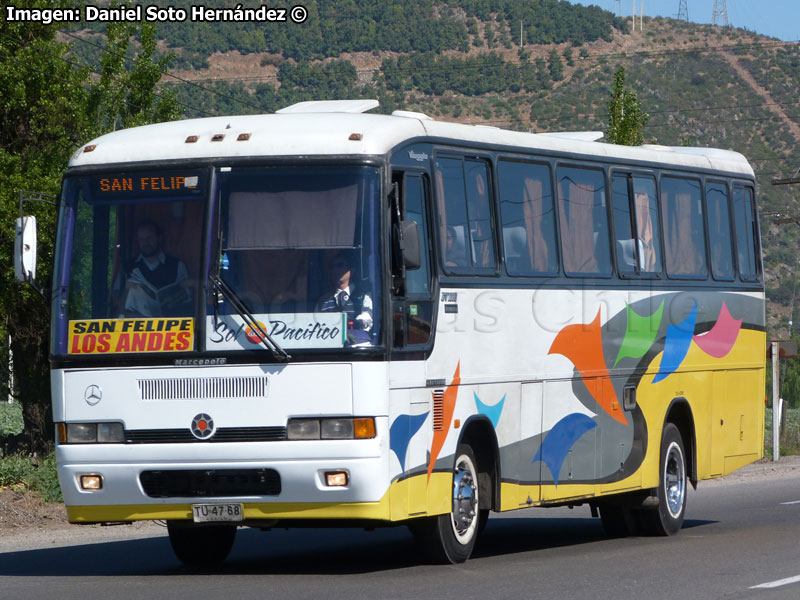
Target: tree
x,y
50,105
625,116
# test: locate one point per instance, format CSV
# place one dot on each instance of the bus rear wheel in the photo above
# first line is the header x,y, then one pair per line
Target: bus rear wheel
x,y
667,518
450,538
203,546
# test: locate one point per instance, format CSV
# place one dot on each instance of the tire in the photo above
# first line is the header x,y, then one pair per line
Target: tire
x,y
450,538
203,546
667,518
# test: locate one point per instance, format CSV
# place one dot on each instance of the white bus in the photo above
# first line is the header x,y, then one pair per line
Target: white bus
x,y
323,317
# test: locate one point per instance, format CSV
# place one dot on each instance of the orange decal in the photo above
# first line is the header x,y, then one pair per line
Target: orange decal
x,y
583,345
440,435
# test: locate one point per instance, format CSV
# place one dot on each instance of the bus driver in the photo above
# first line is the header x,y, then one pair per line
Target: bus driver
x,y
348,298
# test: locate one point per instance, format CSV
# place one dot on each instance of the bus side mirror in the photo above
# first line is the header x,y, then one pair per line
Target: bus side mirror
x,y
412,258
25,249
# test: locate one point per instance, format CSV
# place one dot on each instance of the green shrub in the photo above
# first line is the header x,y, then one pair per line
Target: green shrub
x,y
17,470
10,419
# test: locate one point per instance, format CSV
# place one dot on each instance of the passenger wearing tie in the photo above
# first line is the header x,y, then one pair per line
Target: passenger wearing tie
x,y
346,297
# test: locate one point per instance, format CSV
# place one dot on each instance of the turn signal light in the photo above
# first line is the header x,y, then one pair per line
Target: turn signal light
x,y
364,428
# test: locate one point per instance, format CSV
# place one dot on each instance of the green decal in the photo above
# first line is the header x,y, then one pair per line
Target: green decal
x,y
640,333
412,310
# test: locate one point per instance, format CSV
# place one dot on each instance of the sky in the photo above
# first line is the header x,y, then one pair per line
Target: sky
x,y
775,18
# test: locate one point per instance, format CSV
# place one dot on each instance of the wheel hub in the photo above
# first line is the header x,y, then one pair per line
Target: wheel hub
x,y
674,480
465,500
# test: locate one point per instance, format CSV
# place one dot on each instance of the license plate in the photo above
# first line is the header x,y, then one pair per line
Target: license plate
x,y
205,513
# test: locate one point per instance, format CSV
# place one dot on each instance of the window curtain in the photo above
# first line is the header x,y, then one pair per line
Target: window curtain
x,y
533,212
576,217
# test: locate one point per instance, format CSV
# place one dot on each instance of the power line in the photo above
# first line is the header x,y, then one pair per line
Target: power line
x,y
168,74
93,72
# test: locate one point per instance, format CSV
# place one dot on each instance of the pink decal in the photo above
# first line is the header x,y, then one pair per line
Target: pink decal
x,y
718,341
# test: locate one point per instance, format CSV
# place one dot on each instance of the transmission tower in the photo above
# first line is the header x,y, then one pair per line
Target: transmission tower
x,y
618,6
720,12
683,10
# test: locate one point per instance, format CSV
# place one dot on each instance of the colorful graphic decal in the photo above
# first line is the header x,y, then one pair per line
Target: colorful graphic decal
x,y
106,336
644,340
583,346
640,333
560,440
719,340
449,406
676,346
654,336
492,412
402,430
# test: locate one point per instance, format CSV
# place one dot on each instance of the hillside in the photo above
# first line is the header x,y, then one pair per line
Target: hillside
x,y
539,65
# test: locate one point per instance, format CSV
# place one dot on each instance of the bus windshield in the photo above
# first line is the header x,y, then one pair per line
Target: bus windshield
x,y
297,247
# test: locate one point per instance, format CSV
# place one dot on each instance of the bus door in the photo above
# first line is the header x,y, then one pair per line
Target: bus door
x,y
412,316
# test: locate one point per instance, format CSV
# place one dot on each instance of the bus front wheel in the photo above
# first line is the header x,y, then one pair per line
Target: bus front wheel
x,y
667,518
450,538
203,546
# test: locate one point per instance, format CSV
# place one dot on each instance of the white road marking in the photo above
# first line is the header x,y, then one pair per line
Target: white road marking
x,y
778,583
793,502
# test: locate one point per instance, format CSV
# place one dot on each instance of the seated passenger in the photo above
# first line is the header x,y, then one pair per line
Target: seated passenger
x,y
156,284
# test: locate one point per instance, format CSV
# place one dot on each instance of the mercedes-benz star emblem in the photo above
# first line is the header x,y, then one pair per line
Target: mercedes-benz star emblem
x,y
93,395
202,426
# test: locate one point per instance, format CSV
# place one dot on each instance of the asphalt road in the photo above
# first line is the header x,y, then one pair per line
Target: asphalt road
x,y
739,533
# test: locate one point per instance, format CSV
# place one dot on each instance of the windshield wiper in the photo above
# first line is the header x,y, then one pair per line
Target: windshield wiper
x,y
266,339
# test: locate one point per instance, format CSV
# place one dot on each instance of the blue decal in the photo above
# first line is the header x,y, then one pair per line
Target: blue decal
x,y
560,440
676,346
400,433
493,412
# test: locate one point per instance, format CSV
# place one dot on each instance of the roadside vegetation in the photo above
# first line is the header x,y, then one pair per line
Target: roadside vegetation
x,y
30,475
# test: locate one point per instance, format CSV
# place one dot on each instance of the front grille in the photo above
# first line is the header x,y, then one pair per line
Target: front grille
x,y
222,434
200,388
204,483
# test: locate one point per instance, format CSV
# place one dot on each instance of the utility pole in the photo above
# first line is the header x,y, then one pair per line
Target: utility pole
x,y
721,12
618,6
683,10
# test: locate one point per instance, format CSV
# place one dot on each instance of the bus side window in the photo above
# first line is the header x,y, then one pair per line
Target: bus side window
x,y
480,216
583,220
746,244
684,235
418,280
623,225
719,231
635,212
526,210
465,218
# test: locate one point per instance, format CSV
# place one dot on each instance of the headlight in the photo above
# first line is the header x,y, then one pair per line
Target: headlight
x,y
90,433
331,428
303,429
337,429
